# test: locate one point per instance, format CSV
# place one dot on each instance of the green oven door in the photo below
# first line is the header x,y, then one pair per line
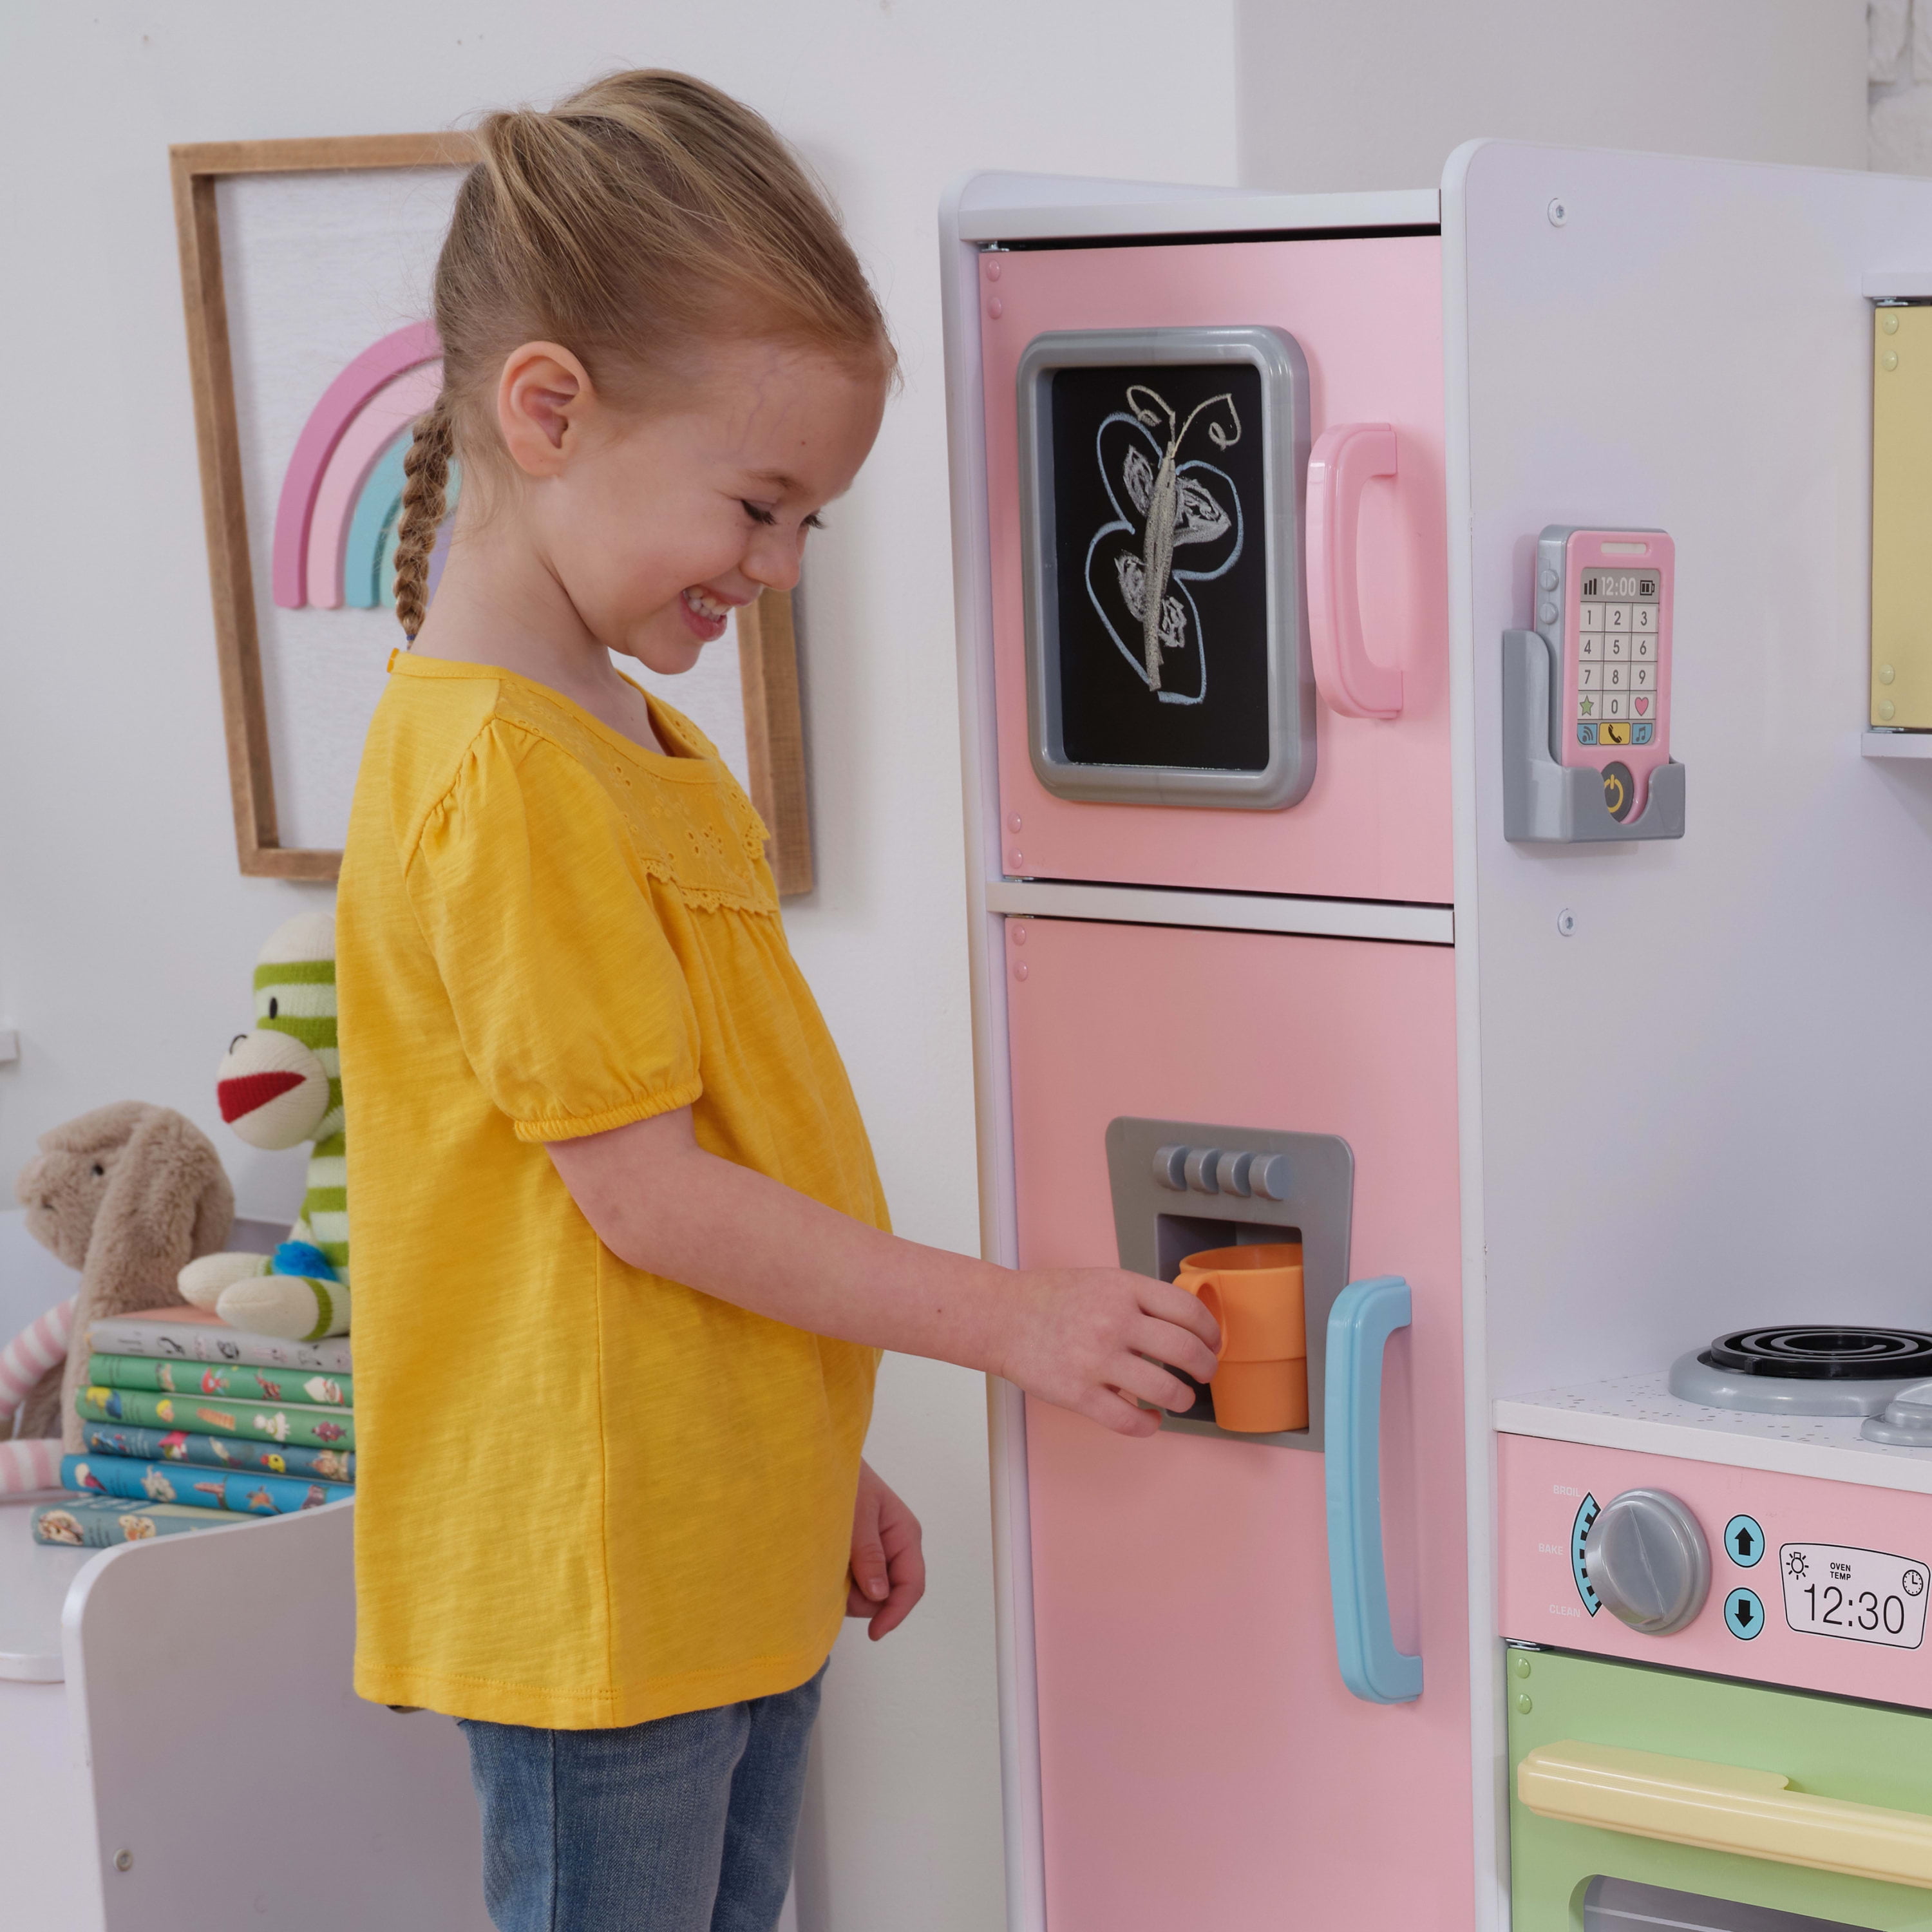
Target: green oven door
x,y
1641,1798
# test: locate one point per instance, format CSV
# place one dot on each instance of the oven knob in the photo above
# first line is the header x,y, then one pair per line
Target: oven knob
x,y
1648,1561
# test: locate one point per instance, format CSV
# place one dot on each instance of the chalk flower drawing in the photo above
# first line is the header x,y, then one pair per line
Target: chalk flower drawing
x,y
1170,505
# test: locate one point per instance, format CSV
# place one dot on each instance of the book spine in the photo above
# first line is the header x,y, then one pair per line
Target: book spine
x,y
238,1381
308,1428
161,1483
185,1341
216,1452
99,1522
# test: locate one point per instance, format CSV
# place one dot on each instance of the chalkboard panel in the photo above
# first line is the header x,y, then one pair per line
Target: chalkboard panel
x,y
1162,480
1137,453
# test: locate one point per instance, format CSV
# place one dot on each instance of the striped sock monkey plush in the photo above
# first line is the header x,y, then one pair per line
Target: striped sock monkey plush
x,y
278,1086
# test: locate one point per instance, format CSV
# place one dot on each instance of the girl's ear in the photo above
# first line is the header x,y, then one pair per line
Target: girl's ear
x,y
543,394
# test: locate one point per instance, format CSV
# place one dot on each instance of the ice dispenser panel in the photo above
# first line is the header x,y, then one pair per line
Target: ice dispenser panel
x,y
1183,1188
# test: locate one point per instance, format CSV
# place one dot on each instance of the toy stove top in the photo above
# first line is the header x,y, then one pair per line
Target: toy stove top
x,y
1884,1375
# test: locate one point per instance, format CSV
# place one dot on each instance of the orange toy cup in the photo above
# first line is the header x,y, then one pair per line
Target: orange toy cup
x,y
1254,1293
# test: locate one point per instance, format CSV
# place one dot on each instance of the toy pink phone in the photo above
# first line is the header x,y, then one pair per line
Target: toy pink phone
x,y
1603,604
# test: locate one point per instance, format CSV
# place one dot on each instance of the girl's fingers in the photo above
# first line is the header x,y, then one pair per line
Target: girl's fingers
x,y
1135,1376
1110,1411
869,1570
869,1576
1166,1302
908,1586
1178,1348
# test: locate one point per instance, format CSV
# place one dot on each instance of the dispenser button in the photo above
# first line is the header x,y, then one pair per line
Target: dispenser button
x,y
1268,1176
1199,1169
1170,1168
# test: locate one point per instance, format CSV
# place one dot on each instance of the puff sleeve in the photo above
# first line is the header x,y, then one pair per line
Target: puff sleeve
x,y
568,998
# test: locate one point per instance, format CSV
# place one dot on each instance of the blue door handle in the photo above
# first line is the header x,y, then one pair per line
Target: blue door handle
x,y
1365,1314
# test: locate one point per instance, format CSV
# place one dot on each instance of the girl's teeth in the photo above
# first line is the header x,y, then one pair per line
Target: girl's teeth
x,y
705,606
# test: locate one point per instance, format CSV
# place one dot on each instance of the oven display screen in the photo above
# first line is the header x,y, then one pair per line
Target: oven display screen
x,y
1863,1595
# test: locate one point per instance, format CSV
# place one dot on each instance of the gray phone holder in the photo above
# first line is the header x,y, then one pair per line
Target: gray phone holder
x,y
1546,803
1180,1187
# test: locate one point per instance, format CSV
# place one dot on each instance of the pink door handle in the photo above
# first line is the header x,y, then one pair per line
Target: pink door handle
x,y
1343,459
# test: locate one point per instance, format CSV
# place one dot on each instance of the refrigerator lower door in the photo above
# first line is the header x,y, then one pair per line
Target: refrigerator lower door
x,y
1203,1762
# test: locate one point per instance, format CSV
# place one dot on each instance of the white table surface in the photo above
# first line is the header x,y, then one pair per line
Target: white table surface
x,y
34,1578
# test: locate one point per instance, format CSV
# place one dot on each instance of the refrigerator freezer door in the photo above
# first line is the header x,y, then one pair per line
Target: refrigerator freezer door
x,y
1202,1761
1367,314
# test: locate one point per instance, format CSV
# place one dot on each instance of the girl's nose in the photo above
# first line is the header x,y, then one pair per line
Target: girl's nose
x,y
773,561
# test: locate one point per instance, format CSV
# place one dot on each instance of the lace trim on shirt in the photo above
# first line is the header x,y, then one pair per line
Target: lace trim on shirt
x,y
699,835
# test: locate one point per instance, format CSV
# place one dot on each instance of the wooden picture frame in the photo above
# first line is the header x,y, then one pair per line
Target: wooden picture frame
x,y
767,642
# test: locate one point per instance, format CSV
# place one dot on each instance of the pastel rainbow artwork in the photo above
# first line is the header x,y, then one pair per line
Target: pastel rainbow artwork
x,y
342,494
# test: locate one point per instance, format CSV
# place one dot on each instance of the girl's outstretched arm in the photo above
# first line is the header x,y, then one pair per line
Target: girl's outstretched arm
x,y
1089,1340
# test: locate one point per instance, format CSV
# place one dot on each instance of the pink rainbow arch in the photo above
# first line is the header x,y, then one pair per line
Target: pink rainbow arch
x,y
374,370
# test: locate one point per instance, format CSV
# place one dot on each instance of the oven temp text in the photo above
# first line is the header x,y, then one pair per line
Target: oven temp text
x,y
1865,1596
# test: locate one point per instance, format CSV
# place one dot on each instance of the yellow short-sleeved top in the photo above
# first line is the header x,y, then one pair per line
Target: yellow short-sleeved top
x,y
585,1495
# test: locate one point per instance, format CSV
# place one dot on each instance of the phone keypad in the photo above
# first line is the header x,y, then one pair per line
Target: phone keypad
x,y
1616,646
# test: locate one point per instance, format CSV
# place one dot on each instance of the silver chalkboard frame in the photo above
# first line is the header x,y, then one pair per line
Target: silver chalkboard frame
x,y
1290,770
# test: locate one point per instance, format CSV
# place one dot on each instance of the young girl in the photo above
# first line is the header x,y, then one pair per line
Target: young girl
x,y
622,1265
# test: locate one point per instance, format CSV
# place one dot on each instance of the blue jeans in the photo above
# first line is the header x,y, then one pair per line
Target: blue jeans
x,y
683,1824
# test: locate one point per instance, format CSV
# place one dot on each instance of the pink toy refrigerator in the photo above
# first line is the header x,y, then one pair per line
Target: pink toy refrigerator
x,y
1294,536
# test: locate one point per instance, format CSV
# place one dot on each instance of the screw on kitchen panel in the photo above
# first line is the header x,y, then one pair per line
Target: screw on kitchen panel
x,y
1566,921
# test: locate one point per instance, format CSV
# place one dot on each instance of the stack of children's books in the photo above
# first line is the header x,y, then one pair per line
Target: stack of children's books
x,y
187,1424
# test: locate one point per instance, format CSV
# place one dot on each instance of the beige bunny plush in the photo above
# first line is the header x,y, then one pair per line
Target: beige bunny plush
x,y
128,1195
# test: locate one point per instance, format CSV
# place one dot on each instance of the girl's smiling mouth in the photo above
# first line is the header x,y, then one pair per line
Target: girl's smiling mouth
x,y
704,613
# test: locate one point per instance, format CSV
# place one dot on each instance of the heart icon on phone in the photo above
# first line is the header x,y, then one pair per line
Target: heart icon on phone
x,y
1640,705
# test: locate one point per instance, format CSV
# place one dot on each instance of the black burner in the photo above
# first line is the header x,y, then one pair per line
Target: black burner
x,y
1823,1354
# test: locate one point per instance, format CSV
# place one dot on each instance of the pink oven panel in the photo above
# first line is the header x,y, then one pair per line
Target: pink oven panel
x,y
1542,1484
1368,316
1201,1762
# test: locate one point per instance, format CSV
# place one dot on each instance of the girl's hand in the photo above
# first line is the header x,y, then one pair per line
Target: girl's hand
x,y
888,1565
1092,1340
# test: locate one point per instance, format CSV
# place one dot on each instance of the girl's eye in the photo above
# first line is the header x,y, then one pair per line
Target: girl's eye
x,y
768,517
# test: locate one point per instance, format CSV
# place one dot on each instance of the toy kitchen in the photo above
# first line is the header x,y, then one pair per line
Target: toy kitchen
x,y
1447,690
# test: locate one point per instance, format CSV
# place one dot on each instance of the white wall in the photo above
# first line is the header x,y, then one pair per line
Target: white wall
x,y
126,935
1376,93
1900,74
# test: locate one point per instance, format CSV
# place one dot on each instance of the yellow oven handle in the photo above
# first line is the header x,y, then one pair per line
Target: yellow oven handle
x,y
1723,1807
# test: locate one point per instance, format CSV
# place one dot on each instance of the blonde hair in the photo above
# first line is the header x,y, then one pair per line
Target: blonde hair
x,y
643,213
